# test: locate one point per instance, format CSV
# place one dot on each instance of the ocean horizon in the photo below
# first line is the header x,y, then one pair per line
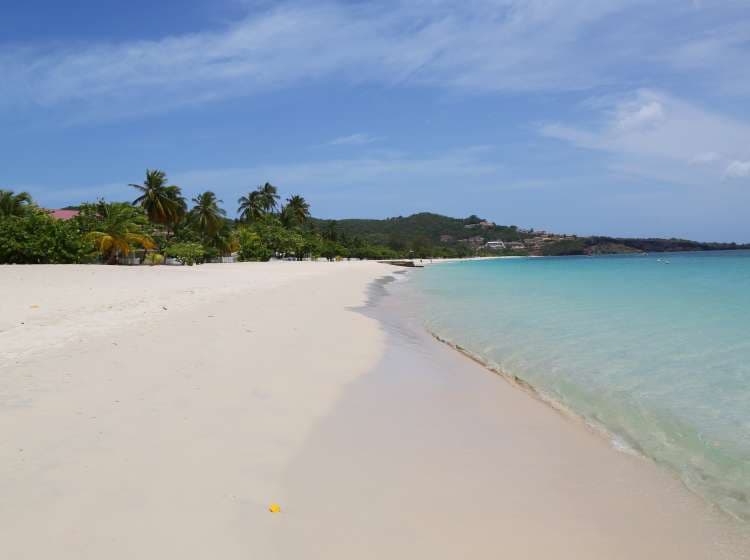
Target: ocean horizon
x,y
651,349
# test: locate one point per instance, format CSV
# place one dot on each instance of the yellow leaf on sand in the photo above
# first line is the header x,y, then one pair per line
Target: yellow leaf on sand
x,y
35,306
274,508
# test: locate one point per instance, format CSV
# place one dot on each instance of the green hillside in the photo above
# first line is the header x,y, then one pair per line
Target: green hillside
x,y
428,234
419,227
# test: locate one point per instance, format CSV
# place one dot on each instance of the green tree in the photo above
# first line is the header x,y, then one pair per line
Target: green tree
x,y
258,203
269,196
163,204
312,245
14,204
226,240
250,207
187,253
252,247
37,238
207,216
296,211
330,232
332,250
174,193
118,228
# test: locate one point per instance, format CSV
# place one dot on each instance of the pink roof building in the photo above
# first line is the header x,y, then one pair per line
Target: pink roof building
x,y
63,214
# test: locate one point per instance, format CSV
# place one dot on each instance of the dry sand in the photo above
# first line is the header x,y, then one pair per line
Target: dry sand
x,y
155,413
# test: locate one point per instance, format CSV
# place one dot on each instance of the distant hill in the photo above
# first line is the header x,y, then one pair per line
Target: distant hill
x,y
425,232
424,226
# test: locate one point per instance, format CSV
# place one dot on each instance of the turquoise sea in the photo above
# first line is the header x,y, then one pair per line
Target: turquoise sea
x,y
653,349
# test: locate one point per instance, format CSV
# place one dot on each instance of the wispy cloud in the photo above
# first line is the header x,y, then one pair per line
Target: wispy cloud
x,y
476,46
471,162
738,169
664,137
473,46
356,139
718,53
474,167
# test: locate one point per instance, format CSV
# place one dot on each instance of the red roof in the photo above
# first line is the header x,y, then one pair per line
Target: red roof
x,y
63,214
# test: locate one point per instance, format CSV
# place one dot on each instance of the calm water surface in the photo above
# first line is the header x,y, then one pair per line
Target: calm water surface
x,y
655,349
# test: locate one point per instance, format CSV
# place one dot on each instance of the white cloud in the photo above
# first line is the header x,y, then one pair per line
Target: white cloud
x,y
356,139
738,169
472,46
469,162
653,134
639,114
706,158
482,45
718,53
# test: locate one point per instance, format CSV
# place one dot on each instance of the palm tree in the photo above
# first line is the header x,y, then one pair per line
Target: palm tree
x,y
163,203
269,197
174,193
12,204
206,214
296,211
226,240
258,203
117,231
251,207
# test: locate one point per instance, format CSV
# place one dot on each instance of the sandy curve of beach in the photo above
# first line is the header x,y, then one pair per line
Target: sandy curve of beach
x,y
158,412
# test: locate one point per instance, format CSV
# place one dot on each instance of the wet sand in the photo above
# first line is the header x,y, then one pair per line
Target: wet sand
x,y
433,456
156,413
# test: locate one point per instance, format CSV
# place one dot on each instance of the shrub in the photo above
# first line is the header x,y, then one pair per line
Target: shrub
x,y
37,238
154,258
252,247
210,254
187,253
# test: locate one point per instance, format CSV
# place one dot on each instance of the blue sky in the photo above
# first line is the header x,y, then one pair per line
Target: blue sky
x,y
618,117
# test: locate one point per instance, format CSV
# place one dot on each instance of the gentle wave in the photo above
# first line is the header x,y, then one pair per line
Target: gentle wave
x,y
654,355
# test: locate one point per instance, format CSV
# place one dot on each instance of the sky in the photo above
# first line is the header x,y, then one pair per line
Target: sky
x,y
612,117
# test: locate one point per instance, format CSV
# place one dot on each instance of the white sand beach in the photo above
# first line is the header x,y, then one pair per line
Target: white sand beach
x,y
157,412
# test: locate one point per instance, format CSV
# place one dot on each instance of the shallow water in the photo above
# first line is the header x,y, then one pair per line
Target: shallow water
x,y
654,349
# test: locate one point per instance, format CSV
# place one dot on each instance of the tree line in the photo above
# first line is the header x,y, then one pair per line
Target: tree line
x,y
159,223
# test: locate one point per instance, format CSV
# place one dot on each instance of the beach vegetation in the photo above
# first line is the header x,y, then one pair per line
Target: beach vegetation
x,y
206,215
252,247
153,259
250,207
163,203
187,253
115,229
295,212
14,204
159,224
269,197
37,238
259,203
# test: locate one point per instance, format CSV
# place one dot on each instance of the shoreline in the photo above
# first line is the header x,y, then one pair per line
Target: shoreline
x,y
622,441
602,504
158,413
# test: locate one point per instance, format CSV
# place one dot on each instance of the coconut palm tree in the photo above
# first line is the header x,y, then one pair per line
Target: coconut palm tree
x,y
206,214
174,193
12,204
269,196
226,240
117,230
163,203
251,207
296,211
